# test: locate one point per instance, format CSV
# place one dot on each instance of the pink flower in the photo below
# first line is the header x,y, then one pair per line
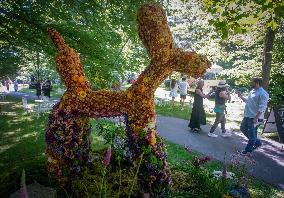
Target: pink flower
x,y
189,150
224,172
203,160
23,190
107,157
145,195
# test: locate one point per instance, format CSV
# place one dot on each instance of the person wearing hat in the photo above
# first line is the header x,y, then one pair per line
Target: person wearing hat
x,y
46,87
256,104
221,96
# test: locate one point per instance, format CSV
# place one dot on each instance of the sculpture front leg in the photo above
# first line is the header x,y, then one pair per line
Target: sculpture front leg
x,y
68,144
154,173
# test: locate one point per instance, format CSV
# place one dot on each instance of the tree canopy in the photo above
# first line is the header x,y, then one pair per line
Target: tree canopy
x,y
260,17
104,33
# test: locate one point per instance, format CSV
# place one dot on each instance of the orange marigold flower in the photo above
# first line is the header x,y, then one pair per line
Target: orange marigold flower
x,y
226,196
82,94
79,89
75,77
153,138
145,79
54,161
81,79
129,94
141,88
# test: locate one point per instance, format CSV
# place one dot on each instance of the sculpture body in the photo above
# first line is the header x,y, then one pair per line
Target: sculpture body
x,y
69,128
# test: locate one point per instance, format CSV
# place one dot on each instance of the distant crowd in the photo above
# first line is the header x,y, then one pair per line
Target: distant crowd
x,y
7,83
42,87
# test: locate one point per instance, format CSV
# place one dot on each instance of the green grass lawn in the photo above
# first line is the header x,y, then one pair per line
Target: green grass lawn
x,y
174,111
22,146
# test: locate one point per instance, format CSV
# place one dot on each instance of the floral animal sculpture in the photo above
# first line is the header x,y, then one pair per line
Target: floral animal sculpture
x,y
68,129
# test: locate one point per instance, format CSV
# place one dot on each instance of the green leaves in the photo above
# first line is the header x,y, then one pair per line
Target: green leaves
x,y
272,24
245,13
98,31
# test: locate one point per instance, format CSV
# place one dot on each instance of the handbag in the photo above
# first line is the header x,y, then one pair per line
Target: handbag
x,y
219,109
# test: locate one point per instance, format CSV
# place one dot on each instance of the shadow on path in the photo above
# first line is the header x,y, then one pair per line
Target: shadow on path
x,y
269,159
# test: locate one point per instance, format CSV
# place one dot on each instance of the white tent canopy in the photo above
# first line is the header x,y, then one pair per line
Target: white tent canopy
x,y
215,69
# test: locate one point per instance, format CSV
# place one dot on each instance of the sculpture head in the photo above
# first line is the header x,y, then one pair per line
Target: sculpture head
x,y
190,63
157,38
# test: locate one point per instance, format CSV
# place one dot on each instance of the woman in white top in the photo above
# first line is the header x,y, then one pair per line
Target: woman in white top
x,y
174,88
183,86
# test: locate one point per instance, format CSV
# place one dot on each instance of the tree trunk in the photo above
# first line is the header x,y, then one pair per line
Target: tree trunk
x,y
37,66
267,56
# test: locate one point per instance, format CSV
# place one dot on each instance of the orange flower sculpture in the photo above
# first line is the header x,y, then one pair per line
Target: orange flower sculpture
x,y
68,128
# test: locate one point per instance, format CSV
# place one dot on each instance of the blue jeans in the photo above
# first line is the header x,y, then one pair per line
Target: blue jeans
x,y
251,133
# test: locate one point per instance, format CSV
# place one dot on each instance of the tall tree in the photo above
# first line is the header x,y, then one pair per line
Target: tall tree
x,y
241,16
276,88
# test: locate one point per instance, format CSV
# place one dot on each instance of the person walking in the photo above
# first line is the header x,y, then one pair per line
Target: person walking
x,y
7,84
183,86
16,85
221,95
38,89
174,88
256,104
198,116
46,87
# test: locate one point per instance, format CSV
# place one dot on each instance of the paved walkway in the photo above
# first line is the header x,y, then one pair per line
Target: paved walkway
x,y
269,158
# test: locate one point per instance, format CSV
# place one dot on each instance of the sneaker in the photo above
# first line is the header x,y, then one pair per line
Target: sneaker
x,y
212,135
196,130
226,134
244,153
255,147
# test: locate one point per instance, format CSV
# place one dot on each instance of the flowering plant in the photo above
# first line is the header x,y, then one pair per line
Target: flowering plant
x,y
240,164
106,161
199,161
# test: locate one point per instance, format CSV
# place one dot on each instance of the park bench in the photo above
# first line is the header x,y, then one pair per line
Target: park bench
x,y
28,108
2,96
